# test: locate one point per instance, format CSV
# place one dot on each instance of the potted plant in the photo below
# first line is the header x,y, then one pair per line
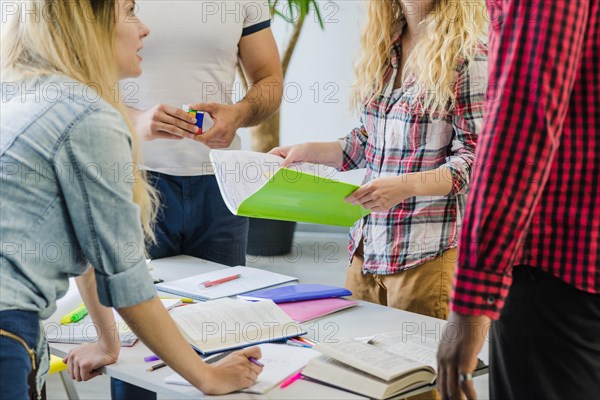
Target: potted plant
x,y
269,237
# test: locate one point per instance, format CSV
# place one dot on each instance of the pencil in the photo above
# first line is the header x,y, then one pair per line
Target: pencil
x,y
308,342
156,366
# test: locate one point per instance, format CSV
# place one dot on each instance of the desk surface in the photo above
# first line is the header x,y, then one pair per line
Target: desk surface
x,y
366,319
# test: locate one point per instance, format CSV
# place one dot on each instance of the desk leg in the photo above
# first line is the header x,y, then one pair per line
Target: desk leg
x,y
69,385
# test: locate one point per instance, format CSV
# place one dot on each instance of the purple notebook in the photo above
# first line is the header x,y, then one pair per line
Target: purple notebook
x,y
300,292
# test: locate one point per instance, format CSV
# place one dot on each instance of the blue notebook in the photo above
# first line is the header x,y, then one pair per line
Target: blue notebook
x,y
300,292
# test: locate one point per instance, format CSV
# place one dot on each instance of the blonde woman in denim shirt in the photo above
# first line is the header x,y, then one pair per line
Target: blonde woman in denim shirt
x,y
420,85
72,196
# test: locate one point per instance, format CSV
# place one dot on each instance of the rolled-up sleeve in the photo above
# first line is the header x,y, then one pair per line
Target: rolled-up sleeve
x,y
95,169
467,120
353,148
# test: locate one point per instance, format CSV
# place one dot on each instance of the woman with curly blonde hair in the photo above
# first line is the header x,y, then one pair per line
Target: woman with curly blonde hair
x,y
420,84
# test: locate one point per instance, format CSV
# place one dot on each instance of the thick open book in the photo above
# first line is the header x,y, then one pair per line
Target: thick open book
x,y
386,366
227,324
256,185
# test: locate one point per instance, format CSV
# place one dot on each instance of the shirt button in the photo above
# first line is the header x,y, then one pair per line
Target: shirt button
x,y
491,299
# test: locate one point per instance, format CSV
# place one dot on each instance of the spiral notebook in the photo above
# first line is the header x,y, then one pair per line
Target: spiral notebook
x,y
280,362
85,331
250,279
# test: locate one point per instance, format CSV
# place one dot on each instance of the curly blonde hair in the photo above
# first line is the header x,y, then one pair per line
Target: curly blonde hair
x,y
450,33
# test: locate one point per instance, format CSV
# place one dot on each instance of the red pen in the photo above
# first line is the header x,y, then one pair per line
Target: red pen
x,y
222,280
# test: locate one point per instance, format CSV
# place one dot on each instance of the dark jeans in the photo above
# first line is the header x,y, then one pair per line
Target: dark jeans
x,y
192,220
546,344
15,362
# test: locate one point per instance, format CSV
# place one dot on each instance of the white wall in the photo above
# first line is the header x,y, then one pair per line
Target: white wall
x,y
316,99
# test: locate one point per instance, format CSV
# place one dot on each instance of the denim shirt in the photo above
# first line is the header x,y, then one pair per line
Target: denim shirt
x,y
66,194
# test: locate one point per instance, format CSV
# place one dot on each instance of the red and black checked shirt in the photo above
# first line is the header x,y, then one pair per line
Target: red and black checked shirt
x,y
394,140
535,194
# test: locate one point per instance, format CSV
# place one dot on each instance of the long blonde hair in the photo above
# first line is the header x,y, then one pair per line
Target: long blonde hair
x,y
450,33
77,40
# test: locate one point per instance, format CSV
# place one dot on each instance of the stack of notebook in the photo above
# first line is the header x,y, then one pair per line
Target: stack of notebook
x,y
304,302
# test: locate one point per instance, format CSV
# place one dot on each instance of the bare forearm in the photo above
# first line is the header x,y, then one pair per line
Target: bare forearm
x,y
261,101
102,316
437,182
328,153
153,325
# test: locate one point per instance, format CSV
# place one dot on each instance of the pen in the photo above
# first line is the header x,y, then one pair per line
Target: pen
x,y
297,344
306,341
291,380
74,315
255,361
219,281
156,366
300,341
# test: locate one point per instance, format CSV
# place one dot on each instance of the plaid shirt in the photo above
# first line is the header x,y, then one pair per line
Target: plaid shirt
x,y
394,140
535,198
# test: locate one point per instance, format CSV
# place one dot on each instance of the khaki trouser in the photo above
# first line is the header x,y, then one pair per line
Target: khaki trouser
x,y
424,289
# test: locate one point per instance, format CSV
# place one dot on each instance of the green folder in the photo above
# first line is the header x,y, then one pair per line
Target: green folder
x,y
292,195
255,185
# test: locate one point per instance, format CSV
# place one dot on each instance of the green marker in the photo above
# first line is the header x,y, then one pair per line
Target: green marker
x,y
75,315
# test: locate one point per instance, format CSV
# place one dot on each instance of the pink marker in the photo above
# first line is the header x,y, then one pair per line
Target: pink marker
x,y
291,380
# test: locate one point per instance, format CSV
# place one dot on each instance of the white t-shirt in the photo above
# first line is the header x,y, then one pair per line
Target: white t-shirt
x,y
190,57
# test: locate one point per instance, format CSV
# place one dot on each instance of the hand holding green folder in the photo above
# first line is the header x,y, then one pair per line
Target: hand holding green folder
x,y
256,185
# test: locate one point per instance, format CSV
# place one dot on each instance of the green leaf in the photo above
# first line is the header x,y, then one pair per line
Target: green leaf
x,y
296,10
318,14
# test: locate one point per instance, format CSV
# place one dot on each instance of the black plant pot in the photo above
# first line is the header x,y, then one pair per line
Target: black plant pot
x,y
268,237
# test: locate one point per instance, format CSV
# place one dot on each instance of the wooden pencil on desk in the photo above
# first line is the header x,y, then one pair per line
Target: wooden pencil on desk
x,y
155,367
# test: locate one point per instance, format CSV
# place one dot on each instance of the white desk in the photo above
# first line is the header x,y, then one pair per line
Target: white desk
x,y
364,320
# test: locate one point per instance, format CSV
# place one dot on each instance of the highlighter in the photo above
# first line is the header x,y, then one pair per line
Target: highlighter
x,y
75,315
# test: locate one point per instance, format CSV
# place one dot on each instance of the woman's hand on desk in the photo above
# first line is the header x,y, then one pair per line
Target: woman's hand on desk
x,y
84,361
233,372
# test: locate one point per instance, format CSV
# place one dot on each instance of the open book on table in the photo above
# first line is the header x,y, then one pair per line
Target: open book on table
x,y
256,185
385,366
227,324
